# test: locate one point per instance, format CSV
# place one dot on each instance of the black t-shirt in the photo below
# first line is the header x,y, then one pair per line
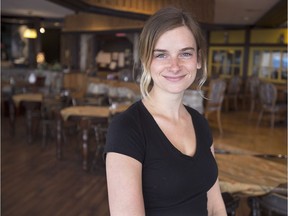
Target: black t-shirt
x,y
174,184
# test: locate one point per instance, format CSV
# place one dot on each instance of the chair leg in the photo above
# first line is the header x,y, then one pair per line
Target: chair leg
x,y
219,121
272,119
12,114
44,133
235,103
260,117
252,107
227,104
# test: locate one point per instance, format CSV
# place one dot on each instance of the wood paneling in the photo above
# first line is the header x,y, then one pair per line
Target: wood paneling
x,y
77,82
83,22
203,9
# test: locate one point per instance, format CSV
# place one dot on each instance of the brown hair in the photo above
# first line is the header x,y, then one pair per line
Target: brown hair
x,y
162,21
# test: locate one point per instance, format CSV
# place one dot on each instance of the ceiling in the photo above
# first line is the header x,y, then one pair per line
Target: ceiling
x,y
259,13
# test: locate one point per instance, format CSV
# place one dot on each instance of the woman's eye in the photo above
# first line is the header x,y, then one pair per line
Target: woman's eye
x,y
186,54
160,55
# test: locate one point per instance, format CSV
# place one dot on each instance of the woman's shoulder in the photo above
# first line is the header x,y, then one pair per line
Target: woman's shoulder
x,y
125,133
130,113
128,118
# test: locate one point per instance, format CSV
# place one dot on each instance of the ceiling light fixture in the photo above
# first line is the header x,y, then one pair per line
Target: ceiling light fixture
x,y
30,33
42,30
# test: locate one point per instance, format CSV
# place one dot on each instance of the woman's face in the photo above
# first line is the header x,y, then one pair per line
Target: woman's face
x,y
174,61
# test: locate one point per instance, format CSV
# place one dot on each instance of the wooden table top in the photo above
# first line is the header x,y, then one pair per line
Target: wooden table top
x,y
249,174
35,97
85,111
92,111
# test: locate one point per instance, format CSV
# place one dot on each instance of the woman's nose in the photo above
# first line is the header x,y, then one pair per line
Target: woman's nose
x,y
175,65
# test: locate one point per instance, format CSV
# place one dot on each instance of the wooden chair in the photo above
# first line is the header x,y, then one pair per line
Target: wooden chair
x,y
271,204
231,203
215,99
100,127
233,90
244,94
268,98
33,116
50,112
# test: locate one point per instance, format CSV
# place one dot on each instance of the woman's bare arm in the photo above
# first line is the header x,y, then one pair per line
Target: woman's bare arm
x,y
124,180
216,205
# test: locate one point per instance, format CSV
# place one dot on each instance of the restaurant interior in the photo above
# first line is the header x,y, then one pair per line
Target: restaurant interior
x,y
69,66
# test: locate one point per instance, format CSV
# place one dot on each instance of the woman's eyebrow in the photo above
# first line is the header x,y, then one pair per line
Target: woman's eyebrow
x,y
160,50
188,48
184,49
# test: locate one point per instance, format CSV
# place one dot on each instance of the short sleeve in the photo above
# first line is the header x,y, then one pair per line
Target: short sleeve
x,y
124,137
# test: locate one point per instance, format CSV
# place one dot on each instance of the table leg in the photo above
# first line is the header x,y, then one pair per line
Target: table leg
x,y
12,113
85,129
59,138
29,125
32,110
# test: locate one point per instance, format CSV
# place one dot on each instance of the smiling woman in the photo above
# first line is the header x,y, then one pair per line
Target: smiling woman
x,y
159,153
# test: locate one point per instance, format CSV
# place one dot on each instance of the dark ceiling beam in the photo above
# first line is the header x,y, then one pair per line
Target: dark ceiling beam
x,y
275,17
5,17
30,20
80,6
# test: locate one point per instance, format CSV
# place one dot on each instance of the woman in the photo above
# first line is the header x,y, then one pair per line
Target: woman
x,y
159,153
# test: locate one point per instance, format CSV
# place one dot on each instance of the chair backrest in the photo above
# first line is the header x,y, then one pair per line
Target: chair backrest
x,y
271,204
268,94
194,99
216,93
231,203
234,85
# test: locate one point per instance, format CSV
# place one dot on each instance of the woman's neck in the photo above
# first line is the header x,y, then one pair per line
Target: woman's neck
x,y
169,105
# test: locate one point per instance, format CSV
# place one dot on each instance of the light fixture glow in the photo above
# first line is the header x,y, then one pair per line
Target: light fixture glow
x,y
30,33
40,58
120,34
42,30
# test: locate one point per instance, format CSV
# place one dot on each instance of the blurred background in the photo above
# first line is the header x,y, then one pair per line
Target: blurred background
x,y
58,56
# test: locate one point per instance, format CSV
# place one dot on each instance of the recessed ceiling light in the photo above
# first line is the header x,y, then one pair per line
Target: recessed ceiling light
x,y
246,18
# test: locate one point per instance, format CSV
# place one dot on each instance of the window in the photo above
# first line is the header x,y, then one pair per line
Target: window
x,y
225,61
269,64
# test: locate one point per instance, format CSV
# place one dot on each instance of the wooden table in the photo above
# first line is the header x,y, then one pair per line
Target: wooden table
x,y
31,102
249,175
85,116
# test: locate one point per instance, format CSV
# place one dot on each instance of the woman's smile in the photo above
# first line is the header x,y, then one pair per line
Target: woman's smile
x,y
174,78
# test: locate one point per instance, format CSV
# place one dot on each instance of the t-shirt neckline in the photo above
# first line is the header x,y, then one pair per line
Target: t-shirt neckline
x,y
163,136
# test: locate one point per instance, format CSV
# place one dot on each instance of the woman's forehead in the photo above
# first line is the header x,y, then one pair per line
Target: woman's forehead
x,y
177,37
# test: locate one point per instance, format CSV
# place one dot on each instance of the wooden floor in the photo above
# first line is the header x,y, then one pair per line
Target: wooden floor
x,y
35,183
